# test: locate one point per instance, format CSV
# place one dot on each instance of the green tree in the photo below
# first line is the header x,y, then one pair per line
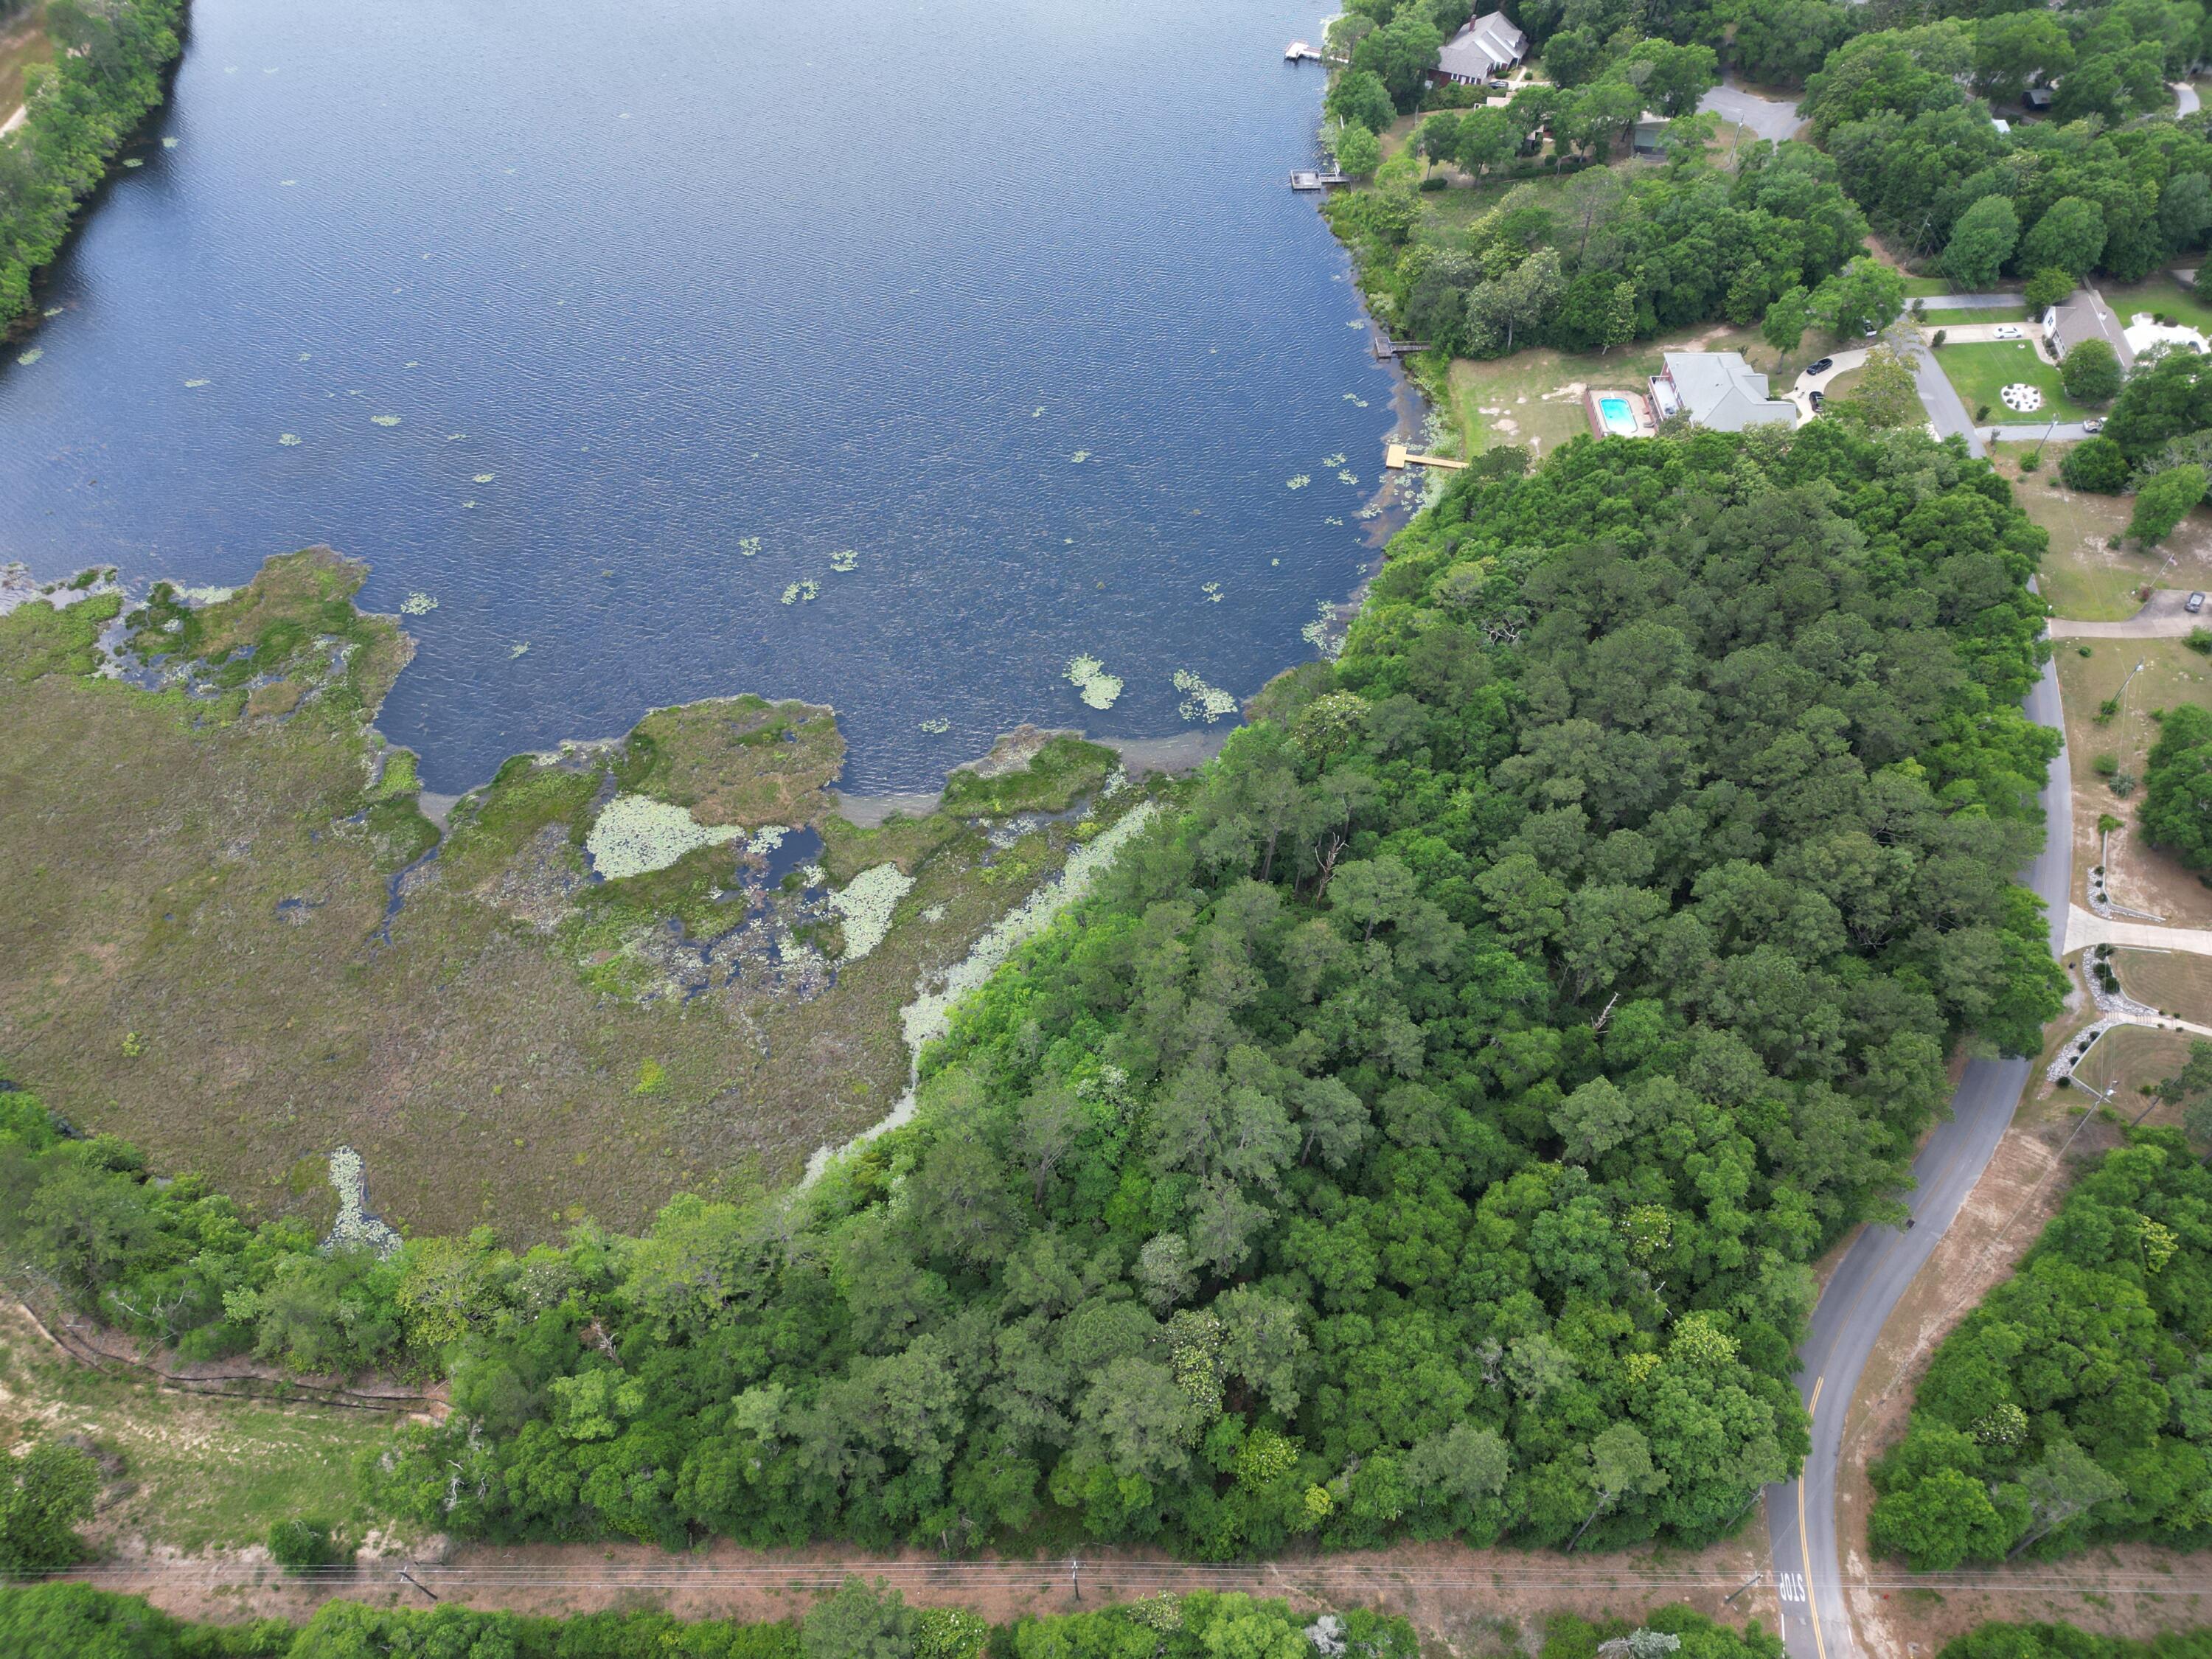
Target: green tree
x,y
1981,241
1865,293
48,1490
2091,372
2164,500
2190,1089
2096,465
2048,287
2069,237
859,1622
1359,99
1358,151
2013,50
2176,807
1887,396
1787,318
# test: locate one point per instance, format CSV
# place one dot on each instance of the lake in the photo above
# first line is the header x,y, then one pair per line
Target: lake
x,y
886,355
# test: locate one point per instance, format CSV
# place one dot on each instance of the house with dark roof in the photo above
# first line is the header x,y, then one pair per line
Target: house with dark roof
x,y
2085,316
1488,47
1718,390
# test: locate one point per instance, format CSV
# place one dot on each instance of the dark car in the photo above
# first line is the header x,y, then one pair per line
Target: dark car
x,y
2194,603
1816,398
1822,367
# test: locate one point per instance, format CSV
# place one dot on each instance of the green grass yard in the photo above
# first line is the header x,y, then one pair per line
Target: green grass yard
x,y
2160,295
1981,372
1949,317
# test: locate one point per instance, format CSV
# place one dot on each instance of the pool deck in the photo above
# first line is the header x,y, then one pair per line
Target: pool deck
x,y
1639,412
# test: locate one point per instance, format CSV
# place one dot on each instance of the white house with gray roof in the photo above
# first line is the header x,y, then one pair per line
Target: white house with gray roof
x,y
1718,390
1488,47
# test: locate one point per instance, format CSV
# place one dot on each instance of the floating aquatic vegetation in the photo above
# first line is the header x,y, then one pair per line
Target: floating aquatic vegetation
x,y
1080,455
845,559
800,591
934,913
1212,592
929,1015
1355,400
1346,474
1202,702
417,605
169,143
937,727
635,835
519,650
484,478
766,839
198,596
1336,459
189,384
1089,676
468,503
132,161
1333,519
454,437
355,1228
748,545
288,439
1356,323
31,356
1038,410
51,311
385,419
287,183
1299,482
1275,561
1325,633
866,903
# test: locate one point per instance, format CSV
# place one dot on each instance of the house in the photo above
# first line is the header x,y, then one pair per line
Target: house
x,y
2084,317
1649,142
1487,46
1717,389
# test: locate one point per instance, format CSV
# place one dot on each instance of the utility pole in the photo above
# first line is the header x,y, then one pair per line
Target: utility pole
x,y
419,1583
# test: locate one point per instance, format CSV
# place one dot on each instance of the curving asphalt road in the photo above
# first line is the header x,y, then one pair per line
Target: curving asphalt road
x,y
1767,117
1801,1513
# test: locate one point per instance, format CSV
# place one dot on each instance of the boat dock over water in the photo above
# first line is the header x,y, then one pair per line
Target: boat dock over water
x,y
1398,457
1299,53
1311,179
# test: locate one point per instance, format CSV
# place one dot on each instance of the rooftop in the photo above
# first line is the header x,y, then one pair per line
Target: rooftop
x,y
1719,390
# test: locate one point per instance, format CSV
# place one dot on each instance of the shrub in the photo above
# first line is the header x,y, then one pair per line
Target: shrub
x,y
2165,500
2091,373
1941,335
2031,461
43,1497
2108,766
2096,464
2200,642
297,1544
2048,288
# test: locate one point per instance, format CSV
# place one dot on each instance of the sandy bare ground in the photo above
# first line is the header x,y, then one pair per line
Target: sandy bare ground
x,y
1472,1600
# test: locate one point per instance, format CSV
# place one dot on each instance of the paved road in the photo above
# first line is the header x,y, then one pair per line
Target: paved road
x,y
1768,118
1969,301
1801,1514
2165,617
2184,99
1948,416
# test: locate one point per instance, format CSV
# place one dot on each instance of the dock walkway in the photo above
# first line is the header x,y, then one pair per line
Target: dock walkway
x,y
1397,456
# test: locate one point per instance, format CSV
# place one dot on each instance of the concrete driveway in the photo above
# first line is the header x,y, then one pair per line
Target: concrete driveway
x,y
1976,333
1768,118
2086,928
2061,432
2186,101
2163,618
1841,362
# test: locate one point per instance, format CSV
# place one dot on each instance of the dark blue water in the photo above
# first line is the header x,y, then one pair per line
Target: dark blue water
x,y
682,273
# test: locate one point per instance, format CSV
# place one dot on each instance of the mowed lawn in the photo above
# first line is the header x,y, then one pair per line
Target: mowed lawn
x,y
2158,295
1960,317
1981,372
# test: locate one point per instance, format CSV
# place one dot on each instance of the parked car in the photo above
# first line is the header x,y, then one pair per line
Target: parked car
x,y
2193,604
1822,367
2093,428
1816,398
1870,331
2008,331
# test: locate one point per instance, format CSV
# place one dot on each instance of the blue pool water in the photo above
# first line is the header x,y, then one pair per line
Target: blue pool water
x,y
1617,415
609,328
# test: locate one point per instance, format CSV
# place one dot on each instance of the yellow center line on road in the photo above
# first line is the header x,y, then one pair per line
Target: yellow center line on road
x,y
1804,1546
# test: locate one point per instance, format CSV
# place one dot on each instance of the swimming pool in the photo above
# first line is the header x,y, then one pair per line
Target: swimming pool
x,y
1619,419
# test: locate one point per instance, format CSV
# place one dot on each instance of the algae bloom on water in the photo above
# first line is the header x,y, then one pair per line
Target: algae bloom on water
x,y
635,834
1089,676
1202,702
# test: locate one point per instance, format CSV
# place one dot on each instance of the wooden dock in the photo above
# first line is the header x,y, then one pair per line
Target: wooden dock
x,y
1299,53
1387,349
1398,457
1309,179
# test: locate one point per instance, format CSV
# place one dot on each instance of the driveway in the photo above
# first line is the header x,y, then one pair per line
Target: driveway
x,y
2163,618
1801,1513
1769,117
1978,333
2086,928
1840,362
1969,301
2186,100
2062,432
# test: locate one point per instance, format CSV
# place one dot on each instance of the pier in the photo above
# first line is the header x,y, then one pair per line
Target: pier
x,y
1398,457
1386,349
1309,179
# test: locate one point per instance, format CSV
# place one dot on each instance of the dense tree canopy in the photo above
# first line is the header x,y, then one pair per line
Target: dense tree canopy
x,y
2177,805
2074,1404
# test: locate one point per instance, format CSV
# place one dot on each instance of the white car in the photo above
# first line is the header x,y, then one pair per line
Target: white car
x,y
2007,331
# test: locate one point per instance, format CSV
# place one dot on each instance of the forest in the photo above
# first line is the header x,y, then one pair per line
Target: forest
x,y
2074,1404
1423,1131
107,73
2176,807
1996,1641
